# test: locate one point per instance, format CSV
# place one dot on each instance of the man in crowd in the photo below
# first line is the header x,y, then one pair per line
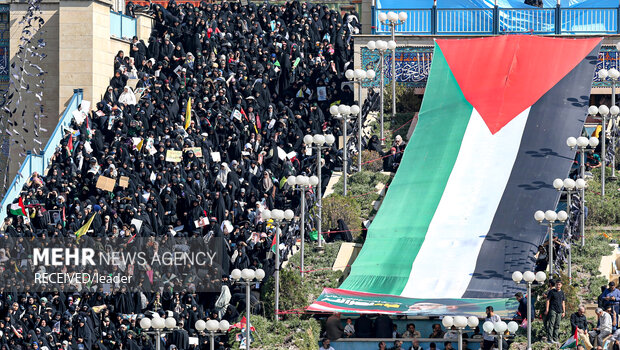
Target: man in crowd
x,y
599,333
437,331
333,327
555,307
411,332
489,338
611,299
522,309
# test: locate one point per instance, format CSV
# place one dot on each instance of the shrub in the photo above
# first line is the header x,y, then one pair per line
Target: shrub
x,y
361,187
602,211
290,298
406,99
338,207
297,332
367,155
399,125
586,261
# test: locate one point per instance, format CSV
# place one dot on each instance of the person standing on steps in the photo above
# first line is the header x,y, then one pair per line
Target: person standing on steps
x,y
555,309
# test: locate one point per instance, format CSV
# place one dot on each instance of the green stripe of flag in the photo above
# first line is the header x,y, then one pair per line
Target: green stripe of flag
x,y
398,230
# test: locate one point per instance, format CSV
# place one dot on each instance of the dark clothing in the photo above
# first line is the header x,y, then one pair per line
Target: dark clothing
x,y
383,327
363,327
578,321
522,310
556,298
334,328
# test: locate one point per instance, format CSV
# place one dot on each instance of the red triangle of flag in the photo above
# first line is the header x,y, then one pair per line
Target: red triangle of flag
x,y
502,76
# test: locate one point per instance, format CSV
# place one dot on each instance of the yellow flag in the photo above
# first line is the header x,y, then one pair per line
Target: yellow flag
x,y
82,231
140,144
188,113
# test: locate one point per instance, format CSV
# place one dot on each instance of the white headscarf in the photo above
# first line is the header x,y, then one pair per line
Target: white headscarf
x,y
127,97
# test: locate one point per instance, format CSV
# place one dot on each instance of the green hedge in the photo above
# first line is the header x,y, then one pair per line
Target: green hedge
x,y
602,211
406,100
361,189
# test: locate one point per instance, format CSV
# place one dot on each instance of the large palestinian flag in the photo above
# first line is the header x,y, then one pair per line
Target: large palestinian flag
x,y
491,137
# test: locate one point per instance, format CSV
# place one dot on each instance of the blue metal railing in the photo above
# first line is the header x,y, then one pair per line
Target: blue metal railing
x,y
585,20
122,26
479,21
537,21
464,21
39,162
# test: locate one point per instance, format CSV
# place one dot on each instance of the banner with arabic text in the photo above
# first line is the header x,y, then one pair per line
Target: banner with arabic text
x,y
346,301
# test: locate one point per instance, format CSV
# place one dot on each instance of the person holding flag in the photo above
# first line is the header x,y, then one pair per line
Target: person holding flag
x,y
84,229
18,209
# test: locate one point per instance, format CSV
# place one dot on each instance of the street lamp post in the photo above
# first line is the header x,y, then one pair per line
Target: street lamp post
x,y
302,182
382,46
278,217
248,276
460,322
159,325
553,219
614,111
393,19
580,144
212,326
613,75
529,277
319,143
344,112
604,112
358,76
569,186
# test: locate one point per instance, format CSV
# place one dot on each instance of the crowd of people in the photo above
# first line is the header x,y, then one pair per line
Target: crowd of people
x,y
234,88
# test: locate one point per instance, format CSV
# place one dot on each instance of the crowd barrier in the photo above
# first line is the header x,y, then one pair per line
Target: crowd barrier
x,y
493,21
122,26
39,162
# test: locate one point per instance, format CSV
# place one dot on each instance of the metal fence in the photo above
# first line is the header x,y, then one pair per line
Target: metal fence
x,y
464,21
39,162
122,26
497,20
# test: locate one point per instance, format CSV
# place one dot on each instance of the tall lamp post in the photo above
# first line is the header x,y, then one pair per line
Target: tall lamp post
x,y
358,76
382,46
278,217
604,112
580,144
344,112
212,326
569,186
613,75
159,326
460,322
302,182
552,219
393,19
319,142
529,277
248,276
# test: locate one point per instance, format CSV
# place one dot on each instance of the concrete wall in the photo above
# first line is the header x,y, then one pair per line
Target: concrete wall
x,y
85,43
145,26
